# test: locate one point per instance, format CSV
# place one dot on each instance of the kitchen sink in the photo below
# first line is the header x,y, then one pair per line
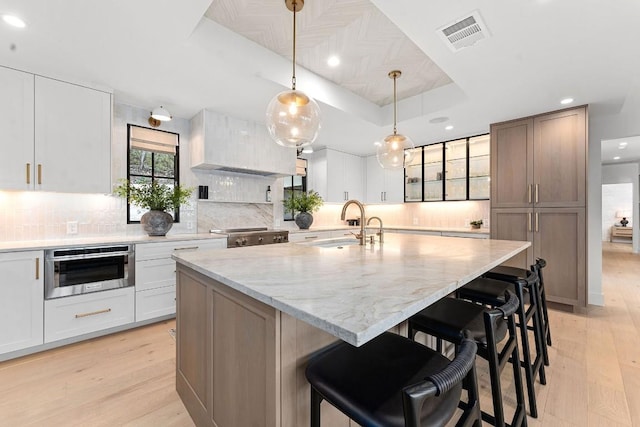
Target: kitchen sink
x,y
333,243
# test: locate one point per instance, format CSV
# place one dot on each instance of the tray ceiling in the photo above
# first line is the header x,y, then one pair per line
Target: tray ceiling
x,y
368,43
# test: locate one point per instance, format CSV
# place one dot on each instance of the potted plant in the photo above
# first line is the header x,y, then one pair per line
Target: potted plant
x,y
476,224
305,204
158,198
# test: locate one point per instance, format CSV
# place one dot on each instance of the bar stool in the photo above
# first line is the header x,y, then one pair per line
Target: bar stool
x,y
513,272
395,382
490,292
452,319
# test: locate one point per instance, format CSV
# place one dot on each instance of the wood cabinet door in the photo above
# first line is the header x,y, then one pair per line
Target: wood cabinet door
x,y
511,164
514,224
560,156
16,130
559,238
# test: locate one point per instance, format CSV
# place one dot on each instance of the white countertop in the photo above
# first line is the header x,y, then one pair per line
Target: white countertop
x,y
28,245
391,228
357,292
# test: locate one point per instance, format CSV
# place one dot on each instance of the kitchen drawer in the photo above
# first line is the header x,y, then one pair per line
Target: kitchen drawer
x,y
155,273
72,316
155,303
310,235
470,235
146,251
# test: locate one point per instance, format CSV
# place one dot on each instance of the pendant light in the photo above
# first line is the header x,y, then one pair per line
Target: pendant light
x,y
396,150
293,118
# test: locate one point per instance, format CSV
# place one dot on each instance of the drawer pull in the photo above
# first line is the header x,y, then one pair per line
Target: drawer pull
x,y
28,173
37,268
311,237
187,248
39,174
93,313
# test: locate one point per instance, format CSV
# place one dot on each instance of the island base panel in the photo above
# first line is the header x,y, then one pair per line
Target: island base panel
x,y
241,362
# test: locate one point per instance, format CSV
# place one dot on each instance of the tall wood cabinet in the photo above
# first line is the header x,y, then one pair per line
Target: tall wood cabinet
x,y
538,193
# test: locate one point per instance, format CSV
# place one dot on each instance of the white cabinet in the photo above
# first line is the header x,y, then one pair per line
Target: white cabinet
x,y
309,235
383,185
229,144
337,176
156,275
54,136
21,299
16,129
82,314
72,138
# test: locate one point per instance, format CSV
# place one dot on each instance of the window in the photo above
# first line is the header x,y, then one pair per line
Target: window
x,y
296,184
152,156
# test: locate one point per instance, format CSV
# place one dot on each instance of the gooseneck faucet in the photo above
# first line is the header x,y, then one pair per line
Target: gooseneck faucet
x,y
360,236
380,232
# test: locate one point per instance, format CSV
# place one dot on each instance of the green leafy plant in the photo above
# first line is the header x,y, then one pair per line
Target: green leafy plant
x,y
303,202
152,195
476,223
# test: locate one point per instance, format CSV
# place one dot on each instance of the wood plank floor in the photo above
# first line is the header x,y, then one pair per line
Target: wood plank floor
x,y
128,379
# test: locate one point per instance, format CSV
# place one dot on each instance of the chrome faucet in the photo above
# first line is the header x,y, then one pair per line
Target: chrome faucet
x,y
360,236
380,232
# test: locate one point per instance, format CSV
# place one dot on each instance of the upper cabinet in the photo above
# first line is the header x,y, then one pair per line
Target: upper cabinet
x,y
540,161
56,136
337,176
72,138
16,130
233,145
383,185
453,170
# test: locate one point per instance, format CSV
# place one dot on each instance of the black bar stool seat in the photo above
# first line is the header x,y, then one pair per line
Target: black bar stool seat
x,y
453,320
511,274
489,291
371,384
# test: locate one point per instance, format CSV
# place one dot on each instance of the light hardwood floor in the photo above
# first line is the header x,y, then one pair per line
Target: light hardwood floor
x,y
128,379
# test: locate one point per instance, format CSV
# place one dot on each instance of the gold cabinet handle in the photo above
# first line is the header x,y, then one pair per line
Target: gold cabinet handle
x,y
536,192
39,174
92,313
529,225
529,192
311,237
187,248
37,268
537,222
28,173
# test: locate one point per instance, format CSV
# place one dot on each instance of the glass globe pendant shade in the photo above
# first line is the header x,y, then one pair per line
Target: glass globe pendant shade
x,y
395,151
293,119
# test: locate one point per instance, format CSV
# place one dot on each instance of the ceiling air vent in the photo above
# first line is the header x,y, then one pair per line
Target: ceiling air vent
x,y
464,32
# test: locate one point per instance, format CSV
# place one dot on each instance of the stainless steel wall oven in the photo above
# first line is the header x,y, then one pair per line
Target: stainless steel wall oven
x,y
74,271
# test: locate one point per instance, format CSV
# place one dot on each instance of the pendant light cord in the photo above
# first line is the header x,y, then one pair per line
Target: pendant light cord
x,y
395,107
293,78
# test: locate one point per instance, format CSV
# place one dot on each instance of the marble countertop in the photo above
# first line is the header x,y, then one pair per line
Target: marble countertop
x,y
354,292
415,228
29,245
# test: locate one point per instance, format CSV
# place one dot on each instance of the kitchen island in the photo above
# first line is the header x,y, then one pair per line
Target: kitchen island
x,y
248,318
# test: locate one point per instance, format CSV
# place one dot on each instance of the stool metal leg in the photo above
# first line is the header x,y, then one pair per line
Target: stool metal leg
x,y
316,400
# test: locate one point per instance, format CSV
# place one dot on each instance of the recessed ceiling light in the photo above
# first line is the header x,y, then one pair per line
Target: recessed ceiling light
x,y
566,101
616,158
333,61
623,144
448,127
14,21
622,147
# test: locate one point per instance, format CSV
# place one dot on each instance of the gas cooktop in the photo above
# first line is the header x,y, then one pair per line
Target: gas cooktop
x,y
238,237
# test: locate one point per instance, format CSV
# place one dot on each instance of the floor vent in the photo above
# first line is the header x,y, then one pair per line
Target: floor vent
x,y
464,32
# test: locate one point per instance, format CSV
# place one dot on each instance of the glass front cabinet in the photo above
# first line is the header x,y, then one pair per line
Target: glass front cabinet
x,y
453,170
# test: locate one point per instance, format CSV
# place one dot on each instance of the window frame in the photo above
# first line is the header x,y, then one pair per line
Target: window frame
x,y
176,169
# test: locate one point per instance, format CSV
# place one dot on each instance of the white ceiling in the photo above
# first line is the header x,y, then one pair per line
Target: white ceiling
x,y
152,52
